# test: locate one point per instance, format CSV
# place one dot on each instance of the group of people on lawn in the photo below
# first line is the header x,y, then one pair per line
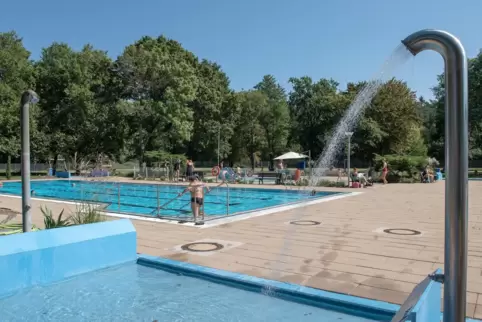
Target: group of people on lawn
x,y
427,175
367,180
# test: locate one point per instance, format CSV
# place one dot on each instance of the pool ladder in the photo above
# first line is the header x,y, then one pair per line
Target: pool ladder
x,y
158,208
118,197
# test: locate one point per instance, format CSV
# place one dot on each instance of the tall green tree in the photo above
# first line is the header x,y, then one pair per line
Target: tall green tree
x,y
249,139
159,77
315,109
16,76
76,114
148,129
274,118
437,138
214,115
430,127
391,124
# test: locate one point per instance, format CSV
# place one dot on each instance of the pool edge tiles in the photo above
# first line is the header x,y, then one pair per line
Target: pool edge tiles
x,y
343,303
238,216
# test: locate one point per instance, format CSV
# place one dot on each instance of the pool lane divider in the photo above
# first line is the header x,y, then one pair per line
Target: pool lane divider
x,y
49,256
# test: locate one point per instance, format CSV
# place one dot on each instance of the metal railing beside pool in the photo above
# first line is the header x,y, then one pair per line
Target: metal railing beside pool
x,y
227,199
158,200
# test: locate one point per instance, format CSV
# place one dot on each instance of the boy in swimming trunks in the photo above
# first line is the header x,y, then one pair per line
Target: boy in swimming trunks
x,y
196,188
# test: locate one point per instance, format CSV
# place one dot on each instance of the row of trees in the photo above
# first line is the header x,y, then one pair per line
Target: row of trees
x,y
157,96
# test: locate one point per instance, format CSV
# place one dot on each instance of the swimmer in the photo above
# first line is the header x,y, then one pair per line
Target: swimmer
x,y
196,188
313,192
73,185
32,192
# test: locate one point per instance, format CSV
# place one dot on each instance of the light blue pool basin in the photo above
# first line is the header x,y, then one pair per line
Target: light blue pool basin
x,y
144,199
93,273
149,291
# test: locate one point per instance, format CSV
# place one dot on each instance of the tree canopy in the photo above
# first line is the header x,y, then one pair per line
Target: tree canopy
x,y
158,98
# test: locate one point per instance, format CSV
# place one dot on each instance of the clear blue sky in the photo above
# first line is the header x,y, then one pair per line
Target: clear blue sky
x,y
345,40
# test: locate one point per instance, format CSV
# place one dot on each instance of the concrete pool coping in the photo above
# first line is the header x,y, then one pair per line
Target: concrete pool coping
x,y
209,222
343,303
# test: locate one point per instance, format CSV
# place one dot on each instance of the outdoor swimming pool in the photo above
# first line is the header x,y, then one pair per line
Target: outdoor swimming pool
x,y
145,199
133,292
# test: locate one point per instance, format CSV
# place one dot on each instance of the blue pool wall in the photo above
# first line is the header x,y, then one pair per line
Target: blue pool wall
x,y
356,306
427,309
48,256
428,304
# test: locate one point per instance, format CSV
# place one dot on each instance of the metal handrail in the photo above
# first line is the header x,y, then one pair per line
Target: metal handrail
x,y
159,207
118,197
227,198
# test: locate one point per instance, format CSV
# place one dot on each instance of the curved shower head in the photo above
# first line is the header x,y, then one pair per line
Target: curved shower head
x,y
438,40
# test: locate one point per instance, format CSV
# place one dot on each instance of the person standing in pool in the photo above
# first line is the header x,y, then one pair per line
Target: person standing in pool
x,y
189,168
196,188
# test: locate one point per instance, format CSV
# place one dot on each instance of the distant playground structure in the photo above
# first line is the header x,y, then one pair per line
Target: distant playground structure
x,y
227,174
96,166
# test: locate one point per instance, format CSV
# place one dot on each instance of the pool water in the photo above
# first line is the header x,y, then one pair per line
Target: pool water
x,y
144,199
134,292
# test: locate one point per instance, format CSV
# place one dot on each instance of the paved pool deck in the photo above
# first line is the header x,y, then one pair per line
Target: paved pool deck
x,y
347,253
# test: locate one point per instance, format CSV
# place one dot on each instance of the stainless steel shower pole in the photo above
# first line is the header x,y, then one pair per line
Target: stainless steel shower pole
x,y
28,97
456,164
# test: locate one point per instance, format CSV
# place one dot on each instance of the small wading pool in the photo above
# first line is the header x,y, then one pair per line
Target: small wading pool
x,y
143,199
137,292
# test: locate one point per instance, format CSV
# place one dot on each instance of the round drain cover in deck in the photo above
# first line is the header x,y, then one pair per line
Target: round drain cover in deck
x,y
305,222
202,247
402,231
